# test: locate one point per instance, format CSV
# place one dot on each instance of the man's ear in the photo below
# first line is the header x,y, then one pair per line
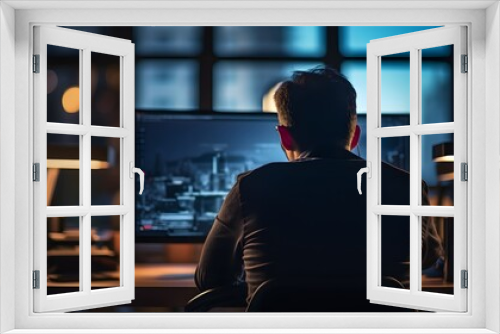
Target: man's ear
x,y
355,137
286,138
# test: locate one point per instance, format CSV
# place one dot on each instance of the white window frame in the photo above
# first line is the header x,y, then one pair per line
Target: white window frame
x,y
483,315
85,43
414,43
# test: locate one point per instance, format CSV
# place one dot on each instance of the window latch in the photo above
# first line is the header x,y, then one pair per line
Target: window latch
x,y
368,171
141,175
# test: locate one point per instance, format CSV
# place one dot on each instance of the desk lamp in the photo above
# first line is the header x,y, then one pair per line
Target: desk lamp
x,y
443,154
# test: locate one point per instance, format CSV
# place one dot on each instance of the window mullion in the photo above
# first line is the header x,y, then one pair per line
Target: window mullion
x,y
433,129
85,236
393,131
107,131
415,189
392,210
67,211
80,131
67,129
422,129
406,210
109,210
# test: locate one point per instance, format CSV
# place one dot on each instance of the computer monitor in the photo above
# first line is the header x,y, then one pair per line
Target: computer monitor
x,y
191,161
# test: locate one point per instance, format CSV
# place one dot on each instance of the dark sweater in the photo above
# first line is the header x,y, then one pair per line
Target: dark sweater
x,y
304,220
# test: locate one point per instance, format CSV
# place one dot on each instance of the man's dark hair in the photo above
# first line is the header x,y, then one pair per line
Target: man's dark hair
x,y
319,107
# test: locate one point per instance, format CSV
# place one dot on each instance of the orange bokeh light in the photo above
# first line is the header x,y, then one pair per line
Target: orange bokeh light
x,y
71,100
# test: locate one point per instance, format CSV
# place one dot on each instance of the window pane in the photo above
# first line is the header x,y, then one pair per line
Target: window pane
x,y
167,84
241,86
390,120
167,40
63,82
437,168
395,251
105,173
395,157
395,84
274,41
105,89
437,87
395,99
353,40
437,259
105,250
63,170
63,255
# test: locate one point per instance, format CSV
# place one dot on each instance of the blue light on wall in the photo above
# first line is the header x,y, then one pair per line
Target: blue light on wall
x,y
436,89
395,97
301,41
353,40
241,85
167,84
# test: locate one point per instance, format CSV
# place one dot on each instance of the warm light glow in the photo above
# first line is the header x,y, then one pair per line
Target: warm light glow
x,y
268,104
446,158
446,177
71,100
75,164
113,77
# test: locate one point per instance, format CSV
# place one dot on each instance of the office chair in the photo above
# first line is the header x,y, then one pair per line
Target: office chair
x,y
292,296
227,297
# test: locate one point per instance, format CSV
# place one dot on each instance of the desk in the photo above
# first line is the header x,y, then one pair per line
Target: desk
x,y
165,275
434,284
147,276
162,287
159,287
181,275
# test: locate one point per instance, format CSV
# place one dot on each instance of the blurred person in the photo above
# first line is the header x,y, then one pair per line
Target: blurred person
x,y
303,220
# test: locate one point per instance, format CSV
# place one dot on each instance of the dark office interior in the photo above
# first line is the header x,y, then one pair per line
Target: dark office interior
x,y
205,114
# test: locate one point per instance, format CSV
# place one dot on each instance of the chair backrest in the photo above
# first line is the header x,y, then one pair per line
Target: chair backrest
x,y
301,296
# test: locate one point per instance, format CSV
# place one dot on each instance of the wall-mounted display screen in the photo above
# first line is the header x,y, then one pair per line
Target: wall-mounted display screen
x,y
192,161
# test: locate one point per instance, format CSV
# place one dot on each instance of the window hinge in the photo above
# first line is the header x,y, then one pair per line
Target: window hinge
x,y
465,279
465,64
36,63
464,172
36,172
36,279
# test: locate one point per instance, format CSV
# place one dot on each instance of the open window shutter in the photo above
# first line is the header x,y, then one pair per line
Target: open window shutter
x,y
77,248
415,294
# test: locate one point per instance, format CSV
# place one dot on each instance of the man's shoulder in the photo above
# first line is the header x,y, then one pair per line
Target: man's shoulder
x,y
276,173
392,170
262,180
263,172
